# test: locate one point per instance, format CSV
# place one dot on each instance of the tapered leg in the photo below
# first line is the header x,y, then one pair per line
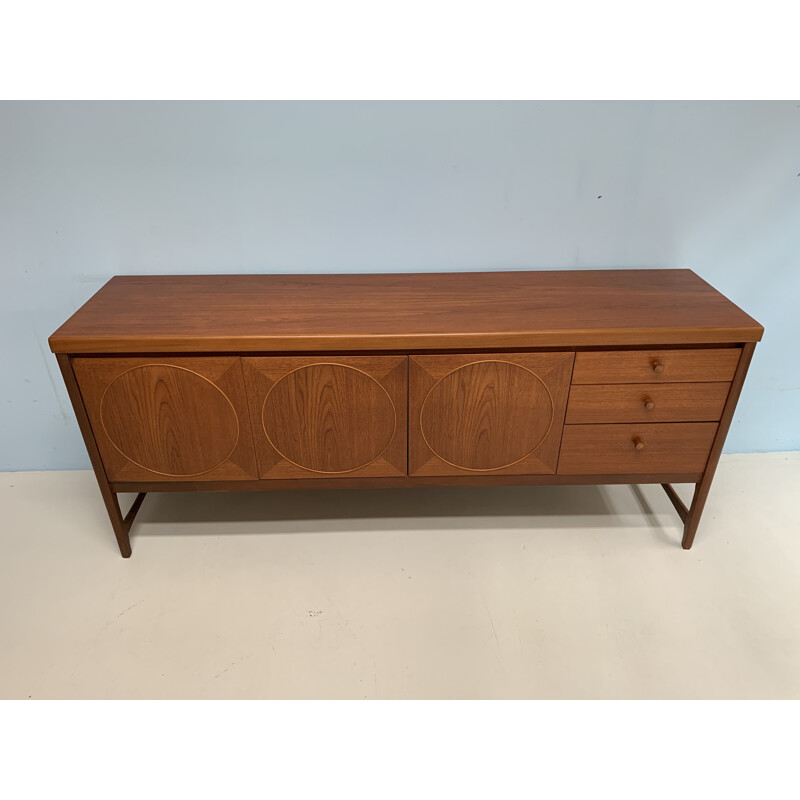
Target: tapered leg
x,y
117,522
690,516
692,519
120,524
696,510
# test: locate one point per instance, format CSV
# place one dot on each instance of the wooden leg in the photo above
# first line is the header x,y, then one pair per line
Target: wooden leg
x,y
696,510
691,517
120,524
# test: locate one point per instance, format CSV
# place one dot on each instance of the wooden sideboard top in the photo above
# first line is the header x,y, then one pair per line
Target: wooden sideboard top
x,y
410,311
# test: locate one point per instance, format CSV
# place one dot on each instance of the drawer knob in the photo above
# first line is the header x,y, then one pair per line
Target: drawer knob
x,y
638,444
658,367
649,404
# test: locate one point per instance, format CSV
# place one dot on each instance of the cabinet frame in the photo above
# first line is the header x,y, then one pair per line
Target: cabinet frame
x,y
625,327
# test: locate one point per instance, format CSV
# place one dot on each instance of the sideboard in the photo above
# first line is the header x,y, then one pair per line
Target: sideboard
x,y
250,382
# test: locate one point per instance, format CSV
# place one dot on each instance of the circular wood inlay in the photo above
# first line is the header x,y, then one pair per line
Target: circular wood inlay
x,y
486,415
328,418
169,420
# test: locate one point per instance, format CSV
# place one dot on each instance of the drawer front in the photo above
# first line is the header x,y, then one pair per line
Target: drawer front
x,y
656,366
646,402
168,418
636,448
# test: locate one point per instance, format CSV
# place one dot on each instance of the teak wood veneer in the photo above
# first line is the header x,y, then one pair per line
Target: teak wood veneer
x,y
248,382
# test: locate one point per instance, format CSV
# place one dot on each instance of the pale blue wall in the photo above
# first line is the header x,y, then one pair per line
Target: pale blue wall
x,y
92,190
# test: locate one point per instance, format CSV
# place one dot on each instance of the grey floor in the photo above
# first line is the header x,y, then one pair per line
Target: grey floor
x,y
548,592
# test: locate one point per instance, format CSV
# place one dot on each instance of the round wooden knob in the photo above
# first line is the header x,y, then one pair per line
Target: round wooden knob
x,y
649,404
658,367
638,443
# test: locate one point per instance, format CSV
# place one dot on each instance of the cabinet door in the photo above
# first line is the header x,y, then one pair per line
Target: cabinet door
x,y
328,417
487,414
169,419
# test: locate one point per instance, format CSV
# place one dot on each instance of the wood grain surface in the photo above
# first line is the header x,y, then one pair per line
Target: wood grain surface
x,y
398,380
646,402
656,366
169,418
328,417
119,522
636,447
406,482
704,485
416,311
488,413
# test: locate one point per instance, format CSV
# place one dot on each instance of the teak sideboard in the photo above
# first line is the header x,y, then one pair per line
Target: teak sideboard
x,y
246,382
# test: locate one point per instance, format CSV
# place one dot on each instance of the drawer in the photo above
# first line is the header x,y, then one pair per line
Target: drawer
x,y
647,402
636,448
656,366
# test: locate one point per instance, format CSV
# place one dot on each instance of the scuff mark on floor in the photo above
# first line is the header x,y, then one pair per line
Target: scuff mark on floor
x,y
232,665
494,632
119,616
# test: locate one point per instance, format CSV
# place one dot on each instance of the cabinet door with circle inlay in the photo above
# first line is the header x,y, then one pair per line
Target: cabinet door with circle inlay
x,y
169,419
487,414
328,417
